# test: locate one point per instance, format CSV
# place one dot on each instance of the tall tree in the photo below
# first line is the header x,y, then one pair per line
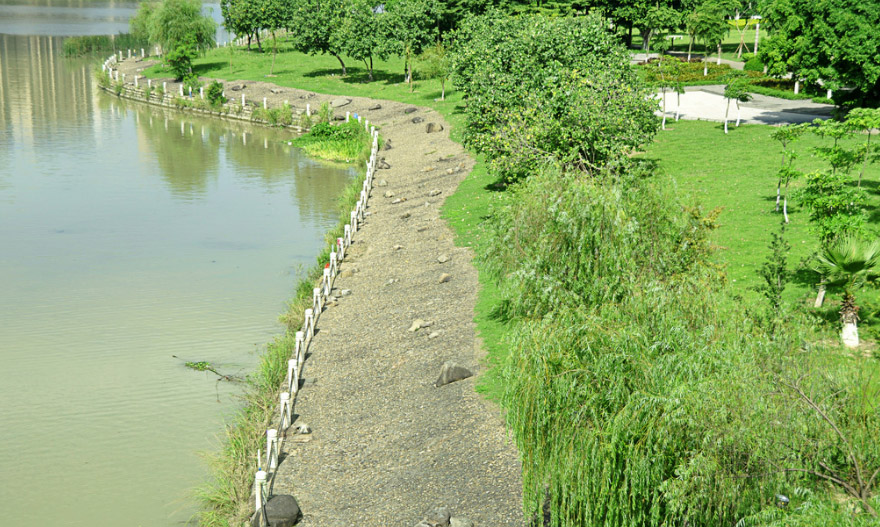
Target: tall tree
x,y
410,26
177,22
358,33
240,17
312,23
835,41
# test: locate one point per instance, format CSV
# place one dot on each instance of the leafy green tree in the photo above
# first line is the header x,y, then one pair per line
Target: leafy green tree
x,y
312,25
273,15
434,63
835,41
706,23
410,26
658,18
240,17
865,120
736,89
787,135
850,263
664,74
142,22
358,33
541,89
180,59
177,22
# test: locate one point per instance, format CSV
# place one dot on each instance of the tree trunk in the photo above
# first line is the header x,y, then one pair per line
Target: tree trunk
x,y
249,42
785,208
369,70
663,124
442,89
629,37
690,47
259,44
865,157
778,194
412,86
737,113
342,64
274,54
677,105
705,68
726,113
719,54
849,316
820,296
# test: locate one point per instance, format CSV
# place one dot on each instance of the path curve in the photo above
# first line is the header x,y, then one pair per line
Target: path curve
x,y
386,445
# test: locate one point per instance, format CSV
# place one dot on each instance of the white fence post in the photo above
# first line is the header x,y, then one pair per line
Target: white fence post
x,y
272,449
259,483
310,324
284,400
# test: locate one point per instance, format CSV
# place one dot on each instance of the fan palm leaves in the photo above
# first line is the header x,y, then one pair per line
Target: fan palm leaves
x,y
850,263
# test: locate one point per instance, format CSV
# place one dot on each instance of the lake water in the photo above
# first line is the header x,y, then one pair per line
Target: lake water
x,y
128,236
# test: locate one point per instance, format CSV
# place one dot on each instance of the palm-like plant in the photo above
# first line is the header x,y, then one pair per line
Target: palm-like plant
x,y
850,263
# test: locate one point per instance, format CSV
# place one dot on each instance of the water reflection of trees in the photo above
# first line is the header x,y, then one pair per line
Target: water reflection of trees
x,y
186,153
190,152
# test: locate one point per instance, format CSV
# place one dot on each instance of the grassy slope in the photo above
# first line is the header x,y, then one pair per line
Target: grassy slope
x,y
736,172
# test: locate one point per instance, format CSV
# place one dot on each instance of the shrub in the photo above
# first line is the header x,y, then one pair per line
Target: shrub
x,y
214,94
549,82
754,64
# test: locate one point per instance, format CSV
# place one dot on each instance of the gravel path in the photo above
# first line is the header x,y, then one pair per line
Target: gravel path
x,y
386,445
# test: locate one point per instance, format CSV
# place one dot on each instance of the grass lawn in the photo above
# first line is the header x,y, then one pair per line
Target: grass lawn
x,y
736,172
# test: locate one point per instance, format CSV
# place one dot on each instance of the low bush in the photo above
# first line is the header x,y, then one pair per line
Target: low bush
x,y
214,94
754,64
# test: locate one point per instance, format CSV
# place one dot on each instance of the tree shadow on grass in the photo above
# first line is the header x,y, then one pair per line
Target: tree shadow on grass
x,y
206,68
356,75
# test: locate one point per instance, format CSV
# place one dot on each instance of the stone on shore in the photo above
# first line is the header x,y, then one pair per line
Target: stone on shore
x,y
451,372
338,103
281,510
433,127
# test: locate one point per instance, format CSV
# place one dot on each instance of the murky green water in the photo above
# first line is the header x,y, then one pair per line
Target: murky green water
x,y
129,235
